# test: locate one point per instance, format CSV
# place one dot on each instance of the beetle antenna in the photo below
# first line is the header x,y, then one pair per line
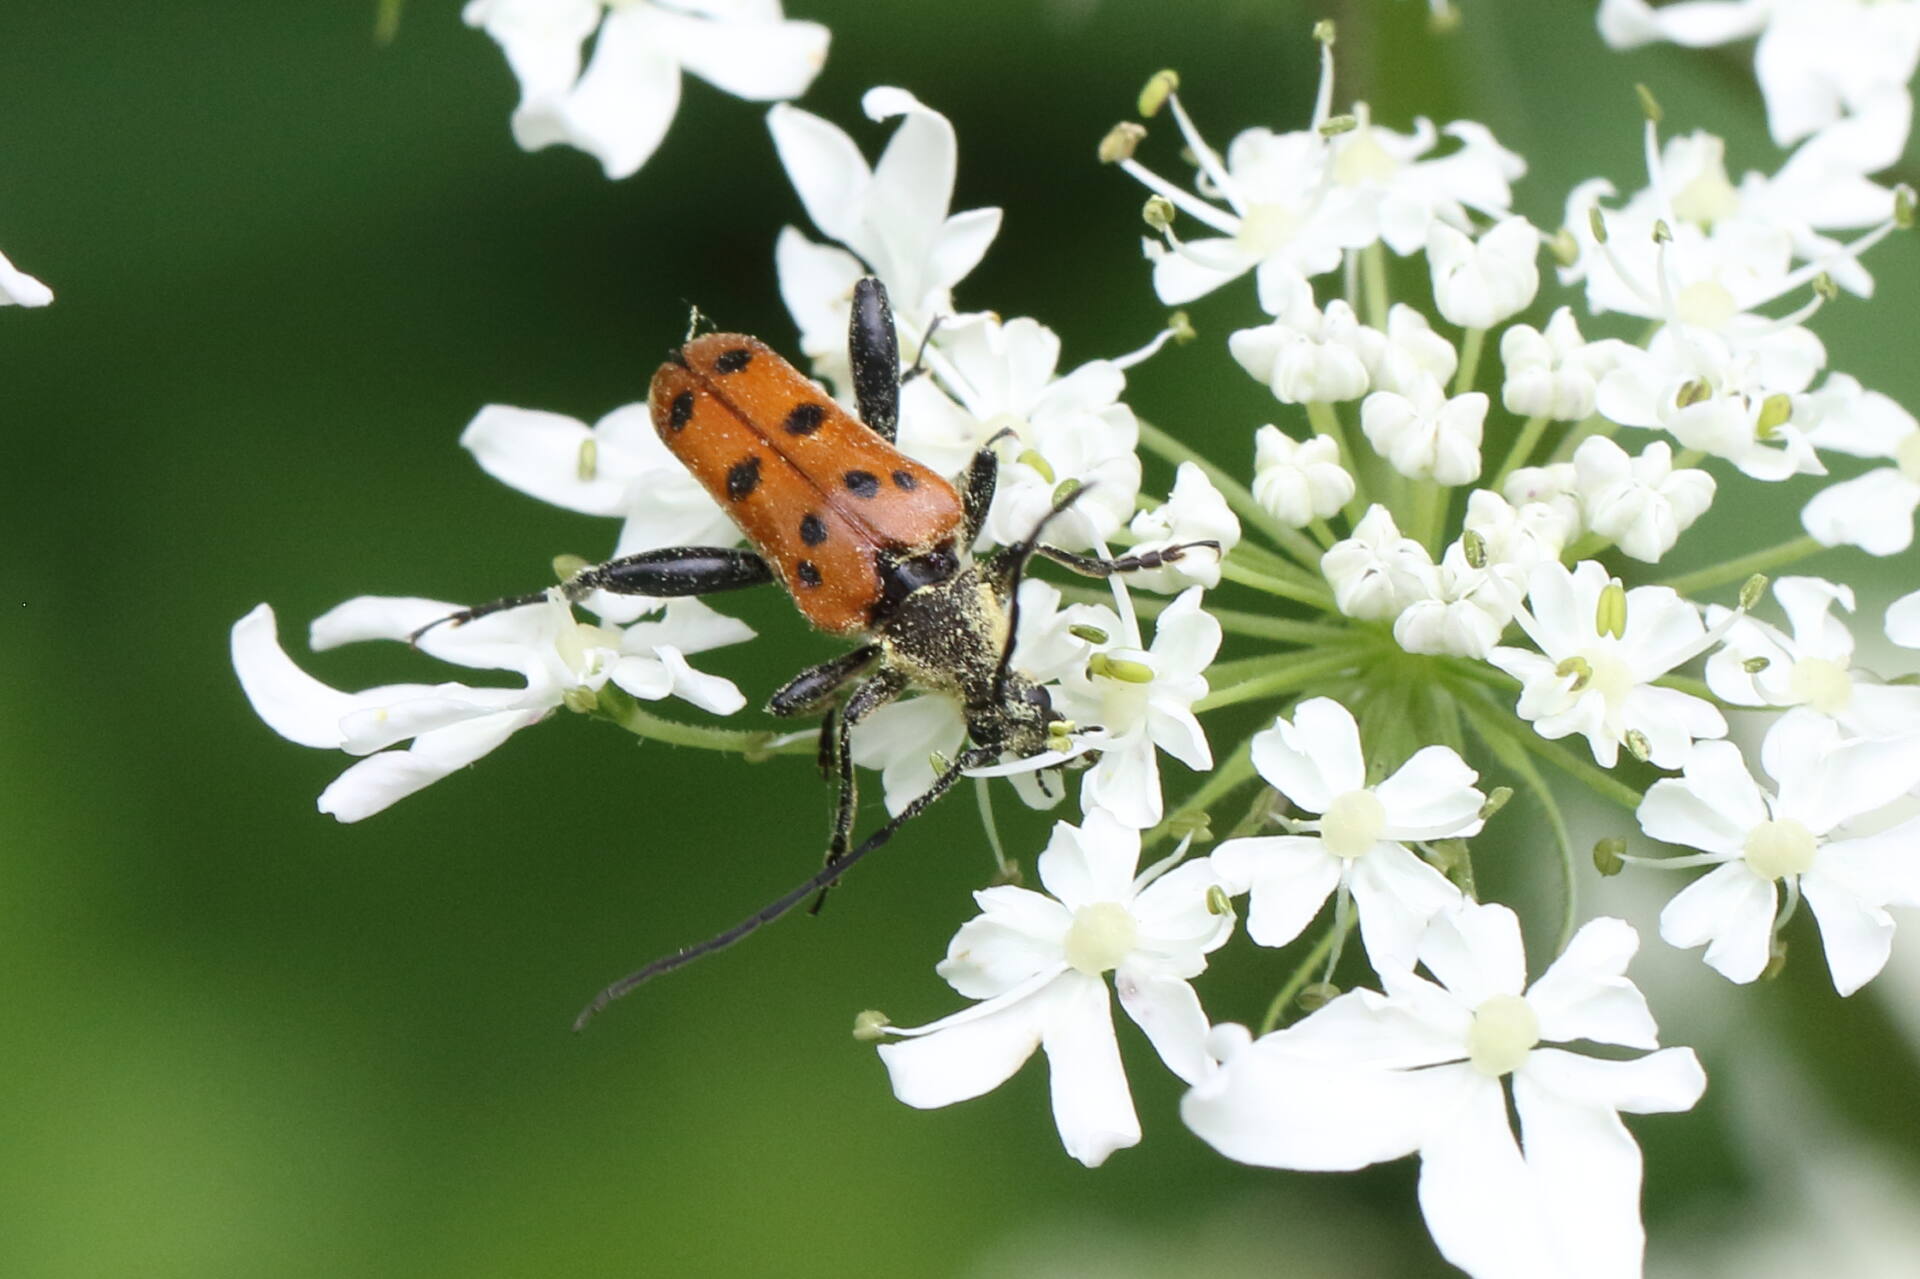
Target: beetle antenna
x,y
825,878
1022,552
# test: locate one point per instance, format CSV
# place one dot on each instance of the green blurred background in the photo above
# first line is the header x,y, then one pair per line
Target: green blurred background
x,y
240,1038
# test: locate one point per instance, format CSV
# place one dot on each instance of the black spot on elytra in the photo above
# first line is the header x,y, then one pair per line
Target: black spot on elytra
x,y
805,418
904,481
813,530
681,410
742,478
733,361
861,483
807,573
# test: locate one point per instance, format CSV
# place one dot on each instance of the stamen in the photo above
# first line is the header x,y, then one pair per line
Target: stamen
x,y
1220,220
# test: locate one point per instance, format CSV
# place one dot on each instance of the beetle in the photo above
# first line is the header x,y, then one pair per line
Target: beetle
x,y
870,544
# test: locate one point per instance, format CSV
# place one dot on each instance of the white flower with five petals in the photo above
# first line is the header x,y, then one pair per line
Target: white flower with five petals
x,y
1298,481
1432,1066
1038,964
1599,682
619,107
1796,839
1642,503
891,217
1357,841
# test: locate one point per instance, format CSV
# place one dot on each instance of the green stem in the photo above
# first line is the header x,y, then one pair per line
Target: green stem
x,y
1302,975
1373,282
1258,626
618,708
1431,501
1235,572
1746,566
1591,425
1521,765
1523,446
1471,347
1294,672
1227,775
1238,496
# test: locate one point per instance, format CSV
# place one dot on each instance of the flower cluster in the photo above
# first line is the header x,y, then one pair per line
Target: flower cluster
x,y
1442,539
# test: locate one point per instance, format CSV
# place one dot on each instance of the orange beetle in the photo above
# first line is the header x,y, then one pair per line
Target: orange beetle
x,y
867,541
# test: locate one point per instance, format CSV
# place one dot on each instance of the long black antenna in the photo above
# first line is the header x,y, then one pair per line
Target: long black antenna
x,y
1022,552
825,878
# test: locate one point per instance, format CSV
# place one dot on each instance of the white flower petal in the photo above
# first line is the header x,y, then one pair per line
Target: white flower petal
x,y
1857,935
1092,1105
1169,1012
966,1060
1585,994
1732,910
1290,878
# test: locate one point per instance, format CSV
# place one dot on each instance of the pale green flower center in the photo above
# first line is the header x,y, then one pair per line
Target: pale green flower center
x,y
1708,198
1907,455
1363,160
1101,936
576,643
1611,677
1782,847
1505,1029
1352,823
1821,684
1706,304
1265,228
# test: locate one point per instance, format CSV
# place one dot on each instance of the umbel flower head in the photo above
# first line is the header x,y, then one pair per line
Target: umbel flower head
x,y
1425,591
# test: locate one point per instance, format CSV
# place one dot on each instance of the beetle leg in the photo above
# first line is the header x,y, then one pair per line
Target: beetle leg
x,y
668,572
812,688
1093,566
976,489
874,352
886,684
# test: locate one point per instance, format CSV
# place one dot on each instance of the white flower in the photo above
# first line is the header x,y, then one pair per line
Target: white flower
x,y
1553,373
452,724
1424,434
1517,536
1478,283
618,467
1376,572
619,108
1193,512
1816,59
1306,356
1428,1066
892,215
1298,482
1468,609
1796,837
1409,354
1812,668
1037,963
1734,400
998,377
1642,503
1874,511
1144,702
1551,486
17,288
1400,191
1599,683
1358,842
